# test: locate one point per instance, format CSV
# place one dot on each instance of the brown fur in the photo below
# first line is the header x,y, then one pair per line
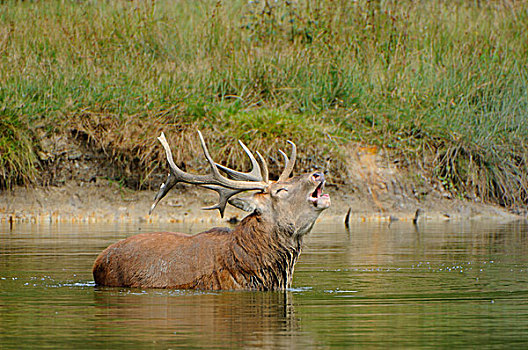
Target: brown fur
x,y
248,257
259,254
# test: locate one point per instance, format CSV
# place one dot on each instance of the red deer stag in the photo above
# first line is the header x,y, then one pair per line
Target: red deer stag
x,y
258,254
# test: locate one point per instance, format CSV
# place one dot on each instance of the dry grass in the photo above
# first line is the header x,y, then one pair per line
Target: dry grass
x,y
441,85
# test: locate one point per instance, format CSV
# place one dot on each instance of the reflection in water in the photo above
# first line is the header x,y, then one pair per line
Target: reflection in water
x,y
462,285
216,319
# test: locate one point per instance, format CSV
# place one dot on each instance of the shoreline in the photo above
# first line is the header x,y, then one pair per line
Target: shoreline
x,y
406,109
106,202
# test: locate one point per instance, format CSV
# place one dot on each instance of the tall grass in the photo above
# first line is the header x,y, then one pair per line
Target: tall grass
x,y
440,84
18,160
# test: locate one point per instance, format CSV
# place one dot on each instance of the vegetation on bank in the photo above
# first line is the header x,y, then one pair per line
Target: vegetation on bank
x,y
440,85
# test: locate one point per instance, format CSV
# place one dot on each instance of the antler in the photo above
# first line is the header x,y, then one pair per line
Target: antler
x,y
255,174
256,179
288,168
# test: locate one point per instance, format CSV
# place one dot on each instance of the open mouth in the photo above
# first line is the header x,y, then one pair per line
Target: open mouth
x,y
318,199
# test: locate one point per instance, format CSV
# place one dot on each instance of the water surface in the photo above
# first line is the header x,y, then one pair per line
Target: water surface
x,y
436,286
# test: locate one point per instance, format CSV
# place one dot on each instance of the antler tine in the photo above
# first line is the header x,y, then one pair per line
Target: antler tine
x,y
172,179
164,189
180,175
290,163
254,175
224,195
264,165
214,169
285,156
168,152
217,179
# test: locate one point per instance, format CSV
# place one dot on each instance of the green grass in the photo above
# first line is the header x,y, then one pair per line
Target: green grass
x,y
18,161
441,84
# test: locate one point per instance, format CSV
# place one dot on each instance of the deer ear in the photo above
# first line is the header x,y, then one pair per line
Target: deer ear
x,y
245,204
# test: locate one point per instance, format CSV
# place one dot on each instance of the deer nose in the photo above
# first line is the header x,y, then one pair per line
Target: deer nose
x,y
318,176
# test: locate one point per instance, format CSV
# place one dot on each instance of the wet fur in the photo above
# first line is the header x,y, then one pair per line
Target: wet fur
x,y
254,256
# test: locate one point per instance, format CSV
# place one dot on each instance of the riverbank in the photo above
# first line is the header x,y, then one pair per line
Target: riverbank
x,y
436,92
107,202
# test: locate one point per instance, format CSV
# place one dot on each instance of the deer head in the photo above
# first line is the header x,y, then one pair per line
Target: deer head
x,y
291,203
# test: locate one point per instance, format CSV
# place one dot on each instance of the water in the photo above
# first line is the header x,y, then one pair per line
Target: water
x,y
444,285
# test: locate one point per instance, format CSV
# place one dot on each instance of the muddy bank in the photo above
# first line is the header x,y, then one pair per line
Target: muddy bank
x,y
106,201
77,186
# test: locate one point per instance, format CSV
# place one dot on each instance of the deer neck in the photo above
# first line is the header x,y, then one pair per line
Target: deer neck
x,y
268,251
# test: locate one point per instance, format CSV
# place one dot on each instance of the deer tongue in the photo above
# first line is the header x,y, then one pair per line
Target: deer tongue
x,y
319,199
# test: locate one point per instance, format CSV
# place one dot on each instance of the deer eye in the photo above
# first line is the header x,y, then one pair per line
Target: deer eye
x,y
282,189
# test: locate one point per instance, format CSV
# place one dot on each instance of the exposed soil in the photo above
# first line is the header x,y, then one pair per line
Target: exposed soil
x,y
107,202
78,187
